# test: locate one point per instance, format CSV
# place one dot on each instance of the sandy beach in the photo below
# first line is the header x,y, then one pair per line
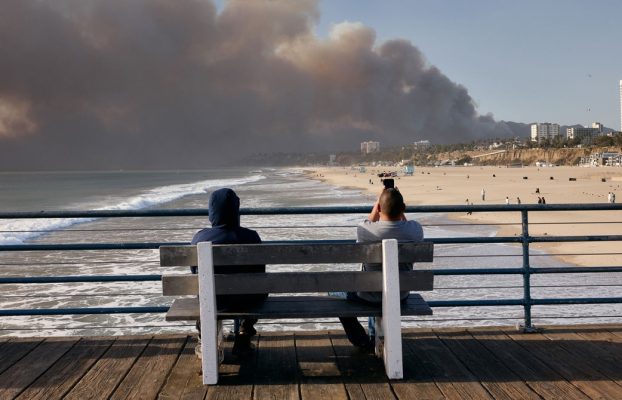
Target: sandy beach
x,y
558,185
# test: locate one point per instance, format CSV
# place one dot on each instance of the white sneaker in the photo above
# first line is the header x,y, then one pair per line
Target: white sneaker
x,y
198,351
379,347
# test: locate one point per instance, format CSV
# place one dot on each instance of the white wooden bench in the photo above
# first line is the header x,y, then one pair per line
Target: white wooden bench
x,y
390,281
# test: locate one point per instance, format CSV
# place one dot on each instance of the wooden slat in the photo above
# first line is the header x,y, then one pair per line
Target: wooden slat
x,y
298,307
451,376
275,376
574,368
268,253
103,377
538,375
483,364
15,349
608,359
297,282
29,368
185,381
418,383
149,372
363,374
320,376
61,377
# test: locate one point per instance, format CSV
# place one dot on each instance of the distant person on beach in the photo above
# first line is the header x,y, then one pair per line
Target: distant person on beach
x,y
543,200
224,215
507,200
518,200
538,190
483,194
385,221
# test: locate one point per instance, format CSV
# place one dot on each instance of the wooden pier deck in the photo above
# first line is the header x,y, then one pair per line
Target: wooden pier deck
x,y
575,362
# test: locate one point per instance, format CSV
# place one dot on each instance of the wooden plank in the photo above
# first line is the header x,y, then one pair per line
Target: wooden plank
x,y
498,379
235,375
298,282
185,381
29,368
298,307
13,350
573,368
276,368
363,373
604,359
418,383
61,377
538,375
149,372
319,374
453,379
272,253
103,377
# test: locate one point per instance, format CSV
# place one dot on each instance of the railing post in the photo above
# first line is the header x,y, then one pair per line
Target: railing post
x,y
527,327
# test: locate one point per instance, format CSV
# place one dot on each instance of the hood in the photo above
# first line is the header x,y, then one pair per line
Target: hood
x,y
224,208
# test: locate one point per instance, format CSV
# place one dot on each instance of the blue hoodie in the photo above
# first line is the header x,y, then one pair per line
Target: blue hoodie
x,y
224,215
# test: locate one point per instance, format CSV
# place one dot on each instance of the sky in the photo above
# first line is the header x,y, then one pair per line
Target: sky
x,y
109,84
524,61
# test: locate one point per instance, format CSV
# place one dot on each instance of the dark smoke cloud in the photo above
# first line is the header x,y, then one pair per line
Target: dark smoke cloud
x,y
171,83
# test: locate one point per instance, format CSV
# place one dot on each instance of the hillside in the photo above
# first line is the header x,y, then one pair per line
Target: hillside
x,y
563,156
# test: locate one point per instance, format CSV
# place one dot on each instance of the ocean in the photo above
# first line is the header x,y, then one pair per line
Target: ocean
x,y
268,187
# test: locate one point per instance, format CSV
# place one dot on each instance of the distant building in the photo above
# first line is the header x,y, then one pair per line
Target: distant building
x,y
544,131
585,134
370,147
597,159
422,144
621,106
331,159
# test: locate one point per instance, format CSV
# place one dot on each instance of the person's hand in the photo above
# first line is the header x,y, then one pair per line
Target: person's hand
x,y
374,215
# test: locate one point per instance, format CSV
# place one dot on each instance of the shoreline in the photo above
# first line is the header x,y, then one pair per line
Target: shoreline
x,y
558,185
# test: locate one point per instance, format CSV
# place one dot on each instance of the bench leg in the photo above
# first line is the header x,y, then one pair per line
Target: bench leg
x,y
391,321
207,305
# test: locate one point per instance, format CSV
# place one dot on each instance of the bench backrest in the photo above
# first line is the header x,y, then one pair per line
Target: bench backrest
x,y
296,282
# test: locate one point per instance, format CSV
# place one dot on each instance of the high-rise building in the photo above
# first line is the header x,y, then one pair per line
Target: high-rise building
x,y
585,134
621,106
370,147
544,131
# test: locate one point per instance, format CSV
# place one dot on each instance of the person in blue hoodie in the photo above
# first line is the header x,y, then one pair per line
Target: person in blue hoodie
x,y
224,215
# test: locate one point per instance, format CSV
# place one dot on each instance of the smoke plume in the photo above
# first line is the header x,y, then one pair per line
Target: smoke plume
x,y
177,83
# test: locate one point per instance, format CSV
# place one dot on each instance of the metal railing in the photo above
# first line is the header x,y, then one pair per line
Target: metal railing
x,y
527,271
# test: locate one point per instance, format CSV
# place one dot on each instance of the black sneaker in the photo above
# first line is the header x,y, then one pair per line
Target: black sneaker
x,y
242,346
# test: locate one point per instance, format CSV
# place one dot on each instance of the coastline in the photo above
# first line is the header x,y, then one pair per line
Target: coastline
x,y
558,185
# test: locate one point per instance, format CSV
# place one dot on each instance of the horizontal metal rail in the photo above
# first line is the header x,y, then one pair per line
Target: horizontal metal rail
x,y
525,239
305,210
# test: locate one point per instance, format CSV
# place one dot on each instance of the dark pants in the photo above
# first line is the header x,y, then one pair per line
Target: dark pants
x,y
231,302
352,327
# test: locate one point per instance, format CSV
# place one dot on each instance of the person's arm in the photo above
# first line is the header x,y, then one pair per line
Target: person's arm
x,y
374,215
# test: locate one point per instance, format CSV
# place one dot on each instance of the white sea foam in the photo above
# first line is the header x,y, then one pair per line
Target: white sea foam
x,y
18,231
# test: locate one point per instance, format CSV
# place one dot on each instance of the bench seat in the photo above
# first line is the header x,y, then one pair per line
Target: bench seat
x,y
298,307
